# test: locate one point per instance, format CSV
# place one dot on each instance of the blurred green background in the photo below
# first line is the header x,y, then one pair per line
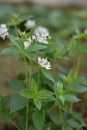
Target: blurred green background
x,y
62,23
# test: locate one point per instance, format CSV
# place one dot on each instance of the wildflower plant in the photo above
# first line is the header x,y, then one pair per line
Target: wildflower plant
x,y
41,88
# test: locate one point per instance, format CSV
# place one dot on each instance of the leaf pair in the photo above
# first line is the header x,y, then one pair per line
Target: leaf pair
x,y
37,96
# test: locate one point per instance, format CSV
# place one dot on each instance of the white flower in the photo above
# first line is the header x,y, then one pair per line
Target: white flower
x,y
3,31
30,24
40,35
27,43
85,31
42,31
44,63
41,39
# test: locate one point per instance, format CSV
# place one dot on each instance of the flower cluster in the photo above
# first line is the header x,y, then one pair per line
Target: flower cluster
x,y
44,63
27,43
3,31
40,35
30,24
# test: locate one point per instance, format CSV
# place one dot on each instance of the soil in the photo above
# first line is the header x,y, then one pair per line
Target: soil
x,y
6,127
12,128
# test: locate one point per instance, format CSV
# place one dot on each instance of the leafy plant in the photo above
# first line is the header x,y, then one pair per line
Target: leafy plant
x,y
41,89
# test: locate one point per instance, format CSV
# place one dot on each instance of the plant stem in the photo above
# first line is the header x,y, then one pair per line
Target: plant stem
x,y
61,116
27,111
26,72
27,108
76,66
71,106
14,124
38,78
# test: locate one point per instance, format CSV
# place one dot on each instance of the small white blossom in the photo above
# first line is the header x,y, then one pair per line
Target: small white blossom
x,y
85,31
41,34
41,39
42,31
30,24
44,63
27,43
3,31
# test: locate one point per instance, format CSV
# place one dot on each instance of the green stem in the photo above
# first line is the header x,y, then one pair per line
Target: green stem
x,y
26,72
27,111
30,70
39,78
27,108
14,124
76,66
71,106
61,116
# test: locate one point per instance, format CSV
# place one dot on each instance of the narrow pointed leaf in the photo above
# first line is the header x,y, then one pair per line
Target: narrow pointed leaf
x,y
17,103
38,118
47,74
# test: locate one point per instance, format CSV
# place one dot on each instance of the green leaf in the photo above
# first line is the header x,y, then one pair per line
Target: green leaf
x,y
37,103
15,41
36,47
16,84
34,84
47,74
22,122
83,48
38,118
73,123
9,51
31,127
62,99
47,105
66,128
60,88
17,103
22,18
71,98
43,94
78,89
54,116
83,81
78,117
5,112
5,101
26,93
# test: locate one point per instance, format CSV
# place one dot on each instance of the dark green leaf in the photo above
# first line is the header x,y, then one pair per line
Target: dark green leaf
x,y
26,93
37,103
78,117
73,123
78,89
66,128
38,118
23,18
36,47
9,51
22,122
71,98
31,127
43,94
47,74
16,42
54,117
16,84
5,112
17,103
